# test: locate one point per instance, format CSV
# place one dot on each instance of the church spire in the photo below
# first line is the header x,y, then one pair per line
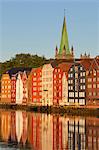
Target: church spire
x,y
64,39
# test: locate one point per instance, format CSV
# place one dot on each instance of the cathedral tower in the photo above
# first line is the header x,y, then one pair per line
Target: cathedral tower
x,y
64,52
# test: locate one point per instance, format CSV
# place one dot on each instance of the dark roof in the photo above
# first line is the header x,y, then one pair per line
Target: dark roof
x,y
16,70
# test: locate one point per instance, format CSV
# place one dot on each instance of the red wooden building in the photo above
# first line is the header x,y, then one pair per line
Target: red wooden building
x,y
57,85
13,89
93,83
37,85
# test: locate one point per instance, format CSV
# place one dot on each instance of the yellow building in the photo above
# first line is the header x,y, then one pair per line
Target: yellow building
x,y
5,88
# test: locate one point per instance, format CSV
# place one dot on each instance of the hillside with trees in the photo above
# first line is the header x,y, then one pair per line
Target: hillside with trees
x,y
22,60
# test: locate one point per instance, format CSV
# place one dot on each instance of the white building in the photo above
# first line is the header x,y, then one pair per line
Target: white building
x,y
19,89
64,89
47,84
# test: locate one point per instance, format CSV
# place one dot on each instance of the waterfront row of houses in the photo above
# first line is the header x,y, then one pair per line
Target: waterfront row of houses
x,y
66,83
42,131
64,80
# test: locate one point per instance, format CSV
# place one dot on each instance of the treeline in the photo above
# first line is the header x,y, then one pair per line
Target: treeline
x,y
22,60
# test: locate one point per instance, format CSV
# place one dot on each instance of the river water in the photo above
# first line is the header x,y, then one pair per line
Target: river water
x,y
36,131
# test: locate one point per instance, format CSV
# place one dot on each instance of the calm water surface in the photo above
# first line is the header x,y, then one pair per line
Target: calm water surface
x,y
25,130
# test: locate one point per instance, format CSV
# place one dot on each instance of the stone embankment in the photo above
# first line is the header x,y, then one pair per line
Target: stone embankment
x,y
69,110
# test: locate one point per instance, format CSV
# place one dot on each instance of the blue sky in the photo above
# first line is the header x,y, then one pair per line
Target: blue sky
x,y
34,26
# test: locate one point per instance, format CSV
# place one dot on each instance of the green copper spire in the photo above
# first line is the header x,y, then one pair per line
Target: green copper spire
x,y
64,39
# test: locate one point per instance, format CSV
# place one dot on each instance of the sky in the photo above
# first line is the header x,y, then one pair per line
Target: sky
x,y
35,26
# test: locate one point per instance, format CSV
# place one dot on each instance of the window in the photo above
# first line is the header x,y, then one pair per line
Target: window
x,y
34,88
98,79
58,70
34,79
5,87
71,69
81,68
59,81
69,87
2,87
83,80
55,70
84,87
90,94
76,94
87,72
94,85
71,75
9,87
98,85
94,79
60,87
76,68
71,94
94,93
34,93
89,86
59,75
83,73
89,79
94,72
9,96
34,73
69,81
34,99
34,83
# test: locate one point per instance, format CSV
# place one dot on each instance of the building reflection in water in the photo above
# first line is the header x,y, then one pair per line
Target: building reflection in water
x,y
5,125
48,132
77,134
92,132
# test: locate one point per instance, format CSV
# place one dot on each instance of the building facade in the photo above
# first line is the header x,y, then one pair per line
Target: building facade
x,y
92,133
37,86
92,91
47,84
57,86
13,89
77,133
25,88
77,85
19,89
5,88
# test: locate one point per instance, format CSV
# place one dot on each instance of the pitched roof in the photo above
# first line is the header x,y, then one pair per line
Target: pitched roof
x,y
65,66
14,71
86,63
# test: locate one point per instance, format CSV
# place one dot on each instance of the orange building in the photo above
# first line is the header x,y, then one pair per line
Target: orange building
x,y
5,88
